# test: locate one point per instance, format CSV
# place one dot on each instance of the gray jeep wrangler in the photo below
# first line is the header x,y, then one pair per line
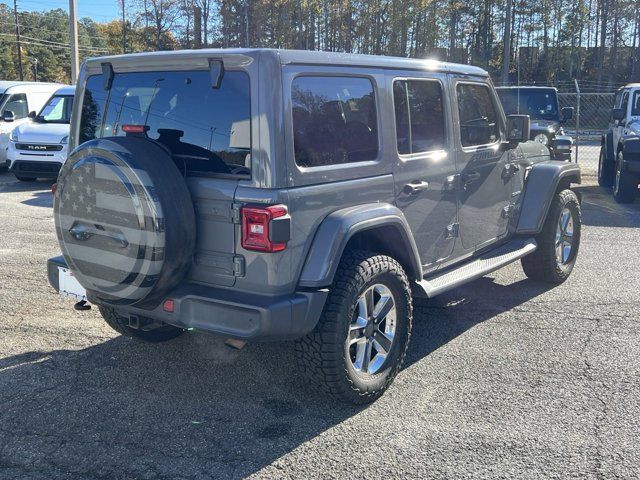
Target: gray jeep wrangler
x,y
273,195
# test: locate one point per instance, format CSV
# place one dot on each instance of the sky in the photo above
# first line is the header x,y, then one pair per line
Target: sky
x,y
98,10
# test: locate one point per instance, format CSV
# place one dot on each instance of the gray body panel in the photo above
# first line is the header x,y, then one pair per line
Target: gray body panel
x,y
330,206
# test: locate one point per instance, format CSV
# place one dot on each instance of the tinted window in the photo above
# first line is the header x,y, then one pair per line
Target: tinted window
x,y
17,103
419,116
538,103
635,108
206,129
478,116
334,120
57,110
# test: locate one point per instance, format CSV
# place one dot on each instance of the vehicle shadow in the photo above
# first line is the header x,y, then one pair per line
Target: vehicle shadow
x,y
192,407
15,186
599,209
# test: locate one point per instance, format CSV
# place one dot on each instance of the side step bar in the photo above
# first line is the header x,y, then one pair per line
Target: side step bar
x,y
479,267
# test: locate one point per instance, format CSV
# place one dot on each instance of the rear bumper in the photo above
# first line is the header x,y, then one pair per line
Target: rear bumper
x,y
38,169
230,313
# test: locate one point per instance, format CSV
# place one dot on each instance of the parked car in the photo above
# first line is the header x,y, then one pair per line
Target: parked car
x,y
38,148
272,195
17,101
619,164
547,119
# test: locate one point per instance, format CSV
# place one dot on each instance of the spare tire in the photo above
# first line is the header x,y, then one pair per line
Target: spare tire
x,y
125,220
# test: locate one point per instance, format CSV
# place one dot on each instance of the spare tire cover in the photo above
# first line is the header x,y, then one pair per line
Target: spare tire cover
x,y
125,220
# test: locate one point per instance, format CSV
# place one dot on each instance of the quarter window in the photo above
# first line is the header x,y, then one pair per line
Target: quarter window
x,y
334,120
419,116
478,116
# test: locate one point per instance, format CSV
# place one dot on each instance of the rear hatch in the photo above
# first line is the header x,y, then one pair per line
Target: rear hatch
x,y
205,126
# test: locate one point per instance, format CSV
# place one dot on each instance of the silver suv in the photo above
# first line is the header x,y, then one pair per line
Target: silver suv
x,y
272,195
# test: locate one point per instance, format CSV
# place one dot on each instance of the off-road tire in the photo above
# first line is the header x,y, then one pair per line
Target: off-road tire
x,y
542,264
323,354
22,178
606,169
120,325
625,184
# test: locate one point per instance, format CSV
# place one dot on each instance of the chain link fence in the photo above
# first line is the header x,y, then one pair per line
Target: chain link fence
x,y
590,121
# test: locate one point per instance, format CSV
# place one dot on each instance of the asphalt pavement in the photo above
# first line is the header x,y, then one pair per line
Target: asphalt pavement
x,y
505,378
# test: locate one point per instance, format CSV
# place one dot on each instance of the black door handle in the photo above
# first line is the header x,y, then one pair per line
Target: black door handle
x,y
415,187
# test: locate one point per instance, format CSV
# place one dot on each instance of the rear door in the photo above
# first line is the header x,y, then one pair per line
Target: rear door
x,y
207,131
424,164
484,186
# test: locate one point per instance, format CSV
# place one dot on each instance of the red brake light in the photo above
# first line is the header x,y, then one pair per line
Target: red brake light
x,y
257,228
127,128
168,305
54,187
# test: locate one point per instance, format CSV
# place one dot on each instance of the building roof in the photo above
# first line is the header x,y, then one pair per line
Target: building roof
x,y
320,58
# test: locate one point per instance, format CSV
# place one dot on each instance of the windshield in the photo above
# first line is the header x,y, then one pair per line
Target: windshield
x,y
206,129
56,110
539,104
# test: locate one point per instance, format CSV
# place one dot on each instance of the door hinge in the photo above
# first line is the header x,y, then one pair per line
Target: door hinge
x,y
452,230
235,212
509,211
451,183
238,266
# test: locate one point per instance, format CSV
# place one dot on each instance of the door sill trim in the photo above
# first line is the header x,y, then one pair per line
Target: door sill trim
x,y
478,267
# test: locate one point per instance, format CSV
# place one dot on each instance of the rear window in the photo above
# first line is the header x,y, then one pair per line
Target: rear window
x,y
207,130
334,120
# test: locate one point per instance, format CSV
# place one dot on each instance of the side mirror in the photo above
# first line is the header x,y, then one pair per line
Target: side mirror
x,y
518,128
32,114
567,113
8,116
618,113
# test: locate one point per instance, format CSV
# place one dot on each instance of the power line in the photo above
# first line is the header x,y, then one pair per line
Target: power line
x,y
55,43
67,47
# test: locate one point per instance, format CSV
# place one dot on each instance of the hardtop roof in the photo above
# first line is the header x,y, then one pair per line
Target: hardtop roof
x,y
315,57
6,84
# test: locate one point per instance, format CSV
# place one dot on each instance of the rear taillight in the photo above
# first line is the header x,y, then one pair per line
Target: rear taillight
x,y
265,229
54,187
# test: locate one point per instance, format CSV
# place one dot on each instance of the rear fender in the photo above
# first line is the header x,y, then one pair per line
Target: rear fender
x,y
543,181
377,221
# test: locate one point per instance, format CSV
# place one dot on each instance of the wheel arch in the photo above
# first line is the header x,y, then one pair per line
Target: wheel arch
x,y
544,180
379,227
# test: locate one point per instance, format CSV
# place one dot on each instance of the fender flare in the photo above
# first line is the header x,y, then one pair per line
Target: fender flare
x,y
541,185
609,149
340,226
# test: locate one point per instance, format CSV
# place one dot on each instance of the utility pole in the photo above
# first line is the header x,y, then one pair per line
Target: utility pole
x,y
124,30
73,34
506,59
15,16
197,27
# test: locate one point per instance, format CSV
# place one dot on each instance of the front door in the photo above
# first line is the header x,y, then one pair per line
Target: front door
x,y
484,184
425,163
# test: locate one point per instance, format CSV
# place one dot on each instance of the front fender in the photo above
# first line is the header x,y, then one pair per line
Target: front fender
x,y
340,226
541,185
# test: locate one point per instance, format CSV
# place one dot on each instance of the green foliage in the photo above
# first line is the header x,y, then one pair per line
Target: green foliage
x,y
551,40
